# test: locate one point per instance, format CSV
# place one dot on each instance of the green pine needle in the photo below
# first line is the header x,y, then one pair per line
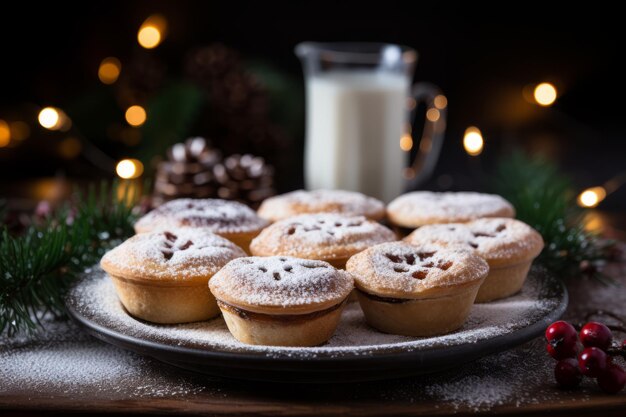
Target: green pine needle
x,y
37,267
543,198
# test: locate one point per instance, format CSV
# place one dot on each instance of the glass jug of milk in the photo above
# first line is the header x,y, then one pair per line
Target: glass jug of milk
x,y
359,110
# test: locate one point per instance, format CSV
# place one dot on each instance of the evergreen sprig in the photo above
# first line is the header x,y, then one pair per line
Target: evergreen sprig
x,y
543,198
38,266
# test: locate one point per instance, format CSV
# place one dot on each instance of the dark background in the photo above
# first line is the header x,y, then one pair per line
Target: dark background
x,y
481,58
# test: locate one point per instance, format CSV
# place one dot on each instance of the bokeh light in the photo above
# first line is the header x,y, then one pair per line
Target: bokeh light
x,y
591,197
129,168
545,94
5,134
406,142
109,70
152,31
136,115
433,115
149,37
441,102
49,118
473,141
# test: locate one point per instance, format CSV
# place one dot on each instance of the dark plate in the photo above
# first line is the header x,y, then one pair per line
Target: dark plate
x,y
355,353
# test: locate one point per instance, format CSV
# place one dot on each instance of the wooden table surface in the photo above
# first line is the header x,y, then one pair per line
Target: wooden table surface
x,y
109,380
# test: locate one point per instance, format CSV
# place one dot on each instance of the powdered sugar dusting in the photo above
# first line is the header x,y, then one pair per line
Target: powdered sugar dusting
x,y
322,234
96,299
398,267
425,207
491,238
172,255
219,216
280,281
349,203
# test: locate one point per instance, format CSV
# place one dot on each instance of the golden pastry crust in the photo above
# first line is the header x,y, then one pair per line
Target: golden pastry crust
x,y
282,330
421,317
222,217
500,241
280,285
404,271
503,282
321,201
424,207
184,256
162,276
327,236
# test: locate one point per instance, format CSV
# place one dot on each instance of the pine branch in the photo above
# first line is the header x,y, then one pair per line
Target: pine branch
x,y
37,267
543,198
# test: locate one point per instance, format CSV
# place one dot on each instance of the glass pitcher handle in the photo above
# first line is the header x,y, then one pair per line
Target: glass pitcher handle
x,y
432,136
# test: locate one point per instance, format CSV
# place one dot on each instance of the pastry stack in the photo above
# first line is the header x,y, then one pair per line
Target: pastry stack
x,y
282,275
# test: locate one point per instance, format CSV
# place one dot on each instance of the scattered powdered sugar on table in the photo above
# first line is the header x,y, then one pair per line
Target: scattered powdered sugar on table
x,y
66,361
96,299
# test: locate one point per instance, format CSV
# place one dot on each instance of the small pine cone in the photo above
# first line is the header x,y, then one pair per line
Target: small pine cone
x,y
245,178
188,171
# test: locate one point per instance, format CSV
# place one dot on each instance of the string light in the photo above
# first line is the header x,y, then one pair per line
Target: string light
x,y
406,142
53,118
5,134
473,141
432,115
129,168
49,118
109,70
149,37
441,102
152,31
136,115
591,197
545,94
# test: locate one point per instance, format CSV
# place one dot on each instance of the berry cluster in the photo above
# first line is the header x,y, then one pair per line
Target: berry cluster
x,y
595,360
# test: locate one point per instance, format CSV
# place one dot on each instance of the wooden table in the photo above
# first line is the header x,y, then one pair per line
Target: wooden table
x,y
109,380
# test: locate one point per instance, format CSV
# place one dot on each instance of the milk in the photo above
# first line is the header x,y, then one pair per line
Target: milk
x,y
355,120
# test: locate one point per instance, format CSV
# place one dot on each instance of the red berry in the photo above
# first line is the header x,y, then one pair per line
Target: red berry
x,y
567,373
592,361
596,334
562,340
612,380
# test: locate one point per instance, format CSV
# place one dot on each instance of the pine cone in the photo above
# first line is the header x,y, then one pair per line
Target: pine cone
x,y
238,111
245,178
188,171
